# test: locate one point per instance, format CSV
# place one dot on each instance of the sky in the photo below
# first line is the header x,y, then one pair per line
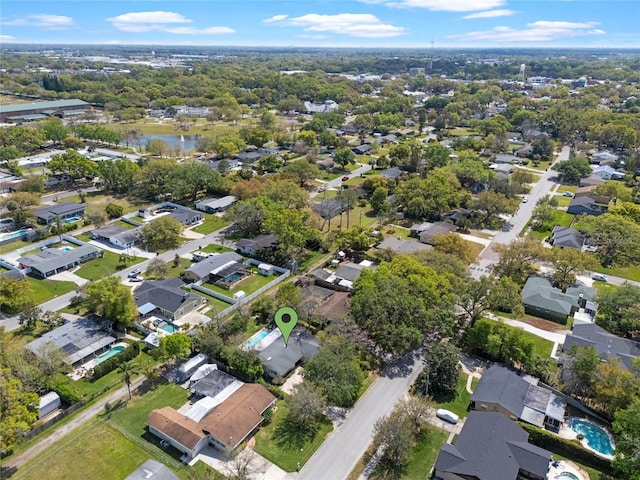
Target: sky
x,y
332,23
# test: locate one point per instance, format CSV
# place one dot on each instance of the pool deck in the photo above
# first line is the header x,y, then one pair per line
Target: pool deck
x,y
564,466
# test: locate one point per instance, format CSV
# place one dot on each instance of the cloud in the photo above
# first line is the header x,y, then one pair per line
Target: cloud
x,y
42,20
441,5
352,24
6,38
540,31
140,22
490,14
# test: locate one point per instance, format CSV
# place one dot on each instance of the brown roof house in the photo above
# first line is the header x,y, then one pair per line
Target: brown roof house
x,y
224,427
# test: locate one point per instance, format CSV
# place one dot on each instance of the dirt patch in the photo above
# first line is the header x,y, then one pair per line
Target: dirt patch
x,y
543,324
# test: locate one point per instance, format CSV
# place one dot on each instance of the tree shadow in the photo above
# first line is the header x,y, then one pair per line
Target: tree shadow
x,y
292,434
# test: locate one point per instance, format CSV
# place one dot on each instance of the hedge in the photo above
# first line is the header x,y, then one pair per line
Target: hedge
x,y
112,363
566,448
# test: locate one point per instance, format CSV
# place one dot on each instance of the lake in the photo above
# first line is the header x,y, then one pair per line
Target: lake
x,y
172,140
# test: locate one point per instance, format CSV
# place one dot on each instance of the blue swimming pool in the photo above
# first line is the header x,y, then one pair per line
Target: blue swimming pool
x,y
72,219
566,476
112,352
10,235
253,341
596,437
234,277
65,249
168,327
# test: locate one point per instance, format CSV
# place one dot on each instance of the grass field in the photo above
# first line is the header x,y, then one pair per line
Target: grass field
x,y
276,449
247,285
150,126
107,265
44,290
210,224
425,453
215,248
560,217
460,403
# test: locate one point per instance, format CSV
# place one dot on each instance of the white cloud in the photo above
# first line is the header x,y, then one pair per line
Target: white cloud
x,y
352,24
42,20
441,5
540,31
490,14
140,22
6,38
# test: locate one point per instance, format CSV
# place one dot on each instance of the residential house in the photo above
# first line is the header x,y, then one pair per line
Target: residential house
x,y
117,236
390,138
416,229
202,271
391,173
514,136
502,390
326,163
399,245
361,149
491,447
48,215
79,340
342,278
606,344
541,299
279,359
186,216
503,170
525,151
225,426
250,246
586,205
324,107
50,261
214,205
603,157
505,158
166,298
591,180
249,157
438,228
607,172
564,237
213,383
152,470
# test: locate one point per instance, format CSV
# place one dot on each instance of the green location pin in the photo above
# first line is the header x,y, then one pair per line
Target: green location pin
x,y
286,320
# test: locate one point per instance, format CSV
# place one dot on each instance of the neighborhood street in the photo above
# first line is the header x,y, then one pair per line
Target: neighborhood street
x,y
342,450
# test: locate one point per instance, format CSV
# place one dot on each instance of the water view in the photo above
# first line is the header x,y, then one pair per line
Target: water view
x,y
172,140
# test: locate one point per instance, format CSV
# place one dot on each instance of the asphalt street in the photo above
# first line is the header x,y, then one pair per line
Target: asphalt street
x,y
342,450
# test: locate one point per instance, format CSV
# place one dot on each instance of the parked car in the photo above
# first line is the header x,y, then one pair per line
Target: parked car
x,y
600,277
345,178
567,194
525,199
134,273
136,279
447,416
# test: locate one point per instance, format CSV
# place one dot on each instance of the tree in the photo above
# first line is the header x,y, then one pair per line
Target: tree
x,y
128,370
190,178
97,218
18,409
517,258
626,428
335,371
176,346
30,317
567,263
439,377
228,145
378,198
580,370
248,215
619,310
73,164
291,227
454,244
289,295
52,319
505,297
270,163
543,147
573,170
616,238
494,203
616,387
120,175
306,404
247,365
158,148
344,156
401,302
473,297
112,300
15,294
55,130
113,210
157,269
302,171
162,234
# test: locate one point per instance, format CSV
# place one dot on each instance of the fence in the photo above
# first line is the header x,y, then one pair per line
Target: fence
x,y
43,426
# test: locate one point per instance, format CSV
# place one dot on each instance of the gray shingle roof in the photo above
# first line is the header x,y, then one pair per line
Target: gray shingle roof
x,y
204,267
61,209
539,292
399,245
279,359
606,344
52,259
566,237
491,447
501,386
163,295
214,383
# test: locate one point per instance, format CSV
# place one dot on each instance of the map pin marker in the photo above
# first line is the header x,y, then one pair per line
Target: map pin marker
x,y
286,320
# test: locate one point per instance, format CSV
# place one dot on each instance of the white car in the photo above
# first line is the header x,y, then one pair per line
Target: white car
x,y
447,416
600,277
525,200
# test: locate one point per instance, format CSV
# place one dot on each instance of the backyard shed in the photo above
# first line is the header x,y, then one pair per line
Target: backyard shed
x,y
266,269
48,403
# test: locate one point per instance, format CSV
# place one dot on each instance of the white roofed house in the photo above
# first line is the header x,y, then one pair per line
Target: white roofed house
x,y
214,205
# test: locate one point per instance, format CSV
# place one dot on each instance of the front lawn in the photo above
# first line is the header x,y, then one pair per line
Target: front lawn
x,y
425,453
44,290
183,264
215,248
560,217
109,264
211,224
460,403
631,272
273,444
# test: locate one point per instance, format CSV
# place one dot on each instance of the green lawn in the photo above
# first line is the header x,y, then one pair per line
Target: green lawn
x,y
463,398
107,265
283,454
215,248
183,264
10,247
309,259
44,290
630,273
461,132
247,285
211,223
216,304
425,453
123,224
134,416
560,217
563,201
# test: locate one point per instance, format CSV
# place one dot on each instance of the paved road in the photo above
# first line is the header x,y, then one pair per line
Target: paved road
x,y
519,220
80,419
336,182
11,323
339,454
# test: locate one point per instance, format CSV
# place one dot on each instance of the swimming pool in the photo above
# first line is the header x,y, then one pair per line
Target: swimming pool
x,y
596,437
234,277
65,249
566,476
10,235
114,351
72,219
253,341
168,327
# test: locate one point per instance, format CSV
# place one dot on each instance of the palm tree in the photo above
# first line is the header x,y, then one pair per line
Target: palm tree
x,y
128,370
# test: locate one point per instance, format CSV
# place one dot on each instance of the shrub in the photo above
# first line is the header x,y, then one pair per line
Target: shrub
x,y
59,383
